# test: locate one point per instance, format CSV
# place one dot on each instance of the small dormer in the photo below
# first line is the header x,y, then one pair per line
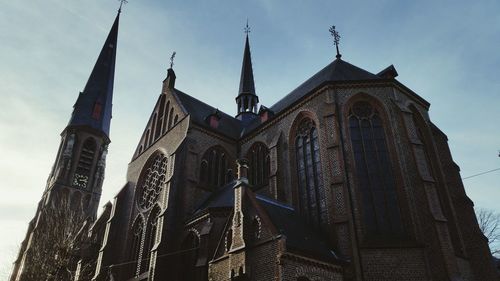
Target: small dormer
x,y
265,114
213,119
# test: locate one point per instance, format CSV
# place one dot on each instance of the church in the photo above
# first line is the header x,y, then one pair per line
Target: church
x,y
344,178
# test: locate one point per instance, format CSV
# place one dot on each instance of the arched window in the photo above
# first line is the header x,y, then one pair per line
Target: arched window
x,y
258,157
135,249
160,117
311,194
147,143
213,168
176,118
170,117
152,181
82,173
153,127
149,238
189,271
374,174
165,117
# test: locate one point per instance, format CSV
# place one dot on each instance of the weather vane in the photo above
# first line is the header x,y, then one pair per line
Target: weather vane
x,y
172,59
247,28
121,4
336,39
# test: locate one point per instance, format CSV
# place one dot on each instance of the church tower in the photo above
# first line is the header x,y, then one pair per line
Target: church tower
x,y
247,100
79,167
76,179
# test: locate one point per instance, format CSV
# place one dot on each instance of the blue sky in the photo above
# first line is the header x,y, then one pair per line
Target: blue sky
x,y
446,51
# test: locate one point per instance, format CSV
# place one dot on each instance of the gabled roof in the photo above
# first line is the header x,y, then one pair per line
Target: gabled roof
x,y
338,70
94,104
299,237
198,110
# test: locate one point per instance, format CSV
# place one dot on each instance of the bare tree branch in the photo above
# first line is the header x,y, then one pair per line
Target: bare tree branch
x,y
489,223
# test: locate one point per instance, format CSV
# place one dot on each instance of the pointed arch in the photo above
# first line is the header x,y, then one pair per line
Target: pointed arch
x,y
136,234
165,117
373,168
259,162
170,117
152,180
161,114
310,191
213,168
150,237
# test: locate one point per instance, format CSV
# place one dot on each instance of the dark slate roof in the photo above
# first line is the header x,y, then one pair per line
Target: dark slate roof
x,y
199,111
99,88
247,85
338,70
299,237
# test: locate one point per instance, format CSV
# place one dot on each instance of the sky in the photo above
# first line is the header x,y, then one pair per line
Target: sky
x,y
446,51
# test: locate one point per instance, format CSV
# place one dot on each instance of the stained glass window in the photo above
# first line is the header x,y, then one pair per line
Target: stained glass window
x,y
311,196
213,168
258,157
153,181
374,174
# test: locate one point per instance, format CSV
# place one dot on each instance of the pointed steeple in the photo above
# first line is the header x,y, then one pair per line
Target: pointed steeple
x,y
93,106
247,99
247,85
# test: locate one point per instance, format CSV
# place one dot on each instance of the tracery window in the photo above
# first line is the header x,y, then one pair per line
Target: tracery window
x,y
311,196
213,168
152,181
258,157
374,174
136,240
150,238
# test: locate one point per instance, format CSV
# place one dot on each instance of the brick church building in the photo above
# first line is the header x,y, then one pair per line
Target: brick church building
x,y
344,178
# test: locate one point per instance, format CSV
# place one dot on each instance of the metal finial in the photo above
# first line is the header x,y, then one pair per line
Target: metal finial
x,y
172,59
336,39
247,28
121,4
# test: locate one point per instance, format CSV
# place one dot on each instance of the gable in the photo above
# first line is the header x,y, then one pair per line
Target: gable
x,y
165,115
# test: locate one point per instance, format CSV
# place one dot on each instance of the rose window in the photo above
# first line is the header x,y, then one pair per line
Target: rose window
x,y
153,181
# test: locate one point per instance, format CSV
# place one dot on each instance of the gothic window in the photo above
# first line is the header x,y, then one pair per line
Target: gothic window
x,y
374,174
311,198
147,139
213,168
84,166
229,239
258,157
152,181
153,126
176,118
165,117
170,117
136,240
189,258
150,238
160,117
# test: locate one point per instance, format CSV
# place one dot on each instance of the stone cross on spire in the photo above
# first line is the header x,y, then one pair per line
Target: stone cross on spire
x,y
247,29
121,4
336,40
172,59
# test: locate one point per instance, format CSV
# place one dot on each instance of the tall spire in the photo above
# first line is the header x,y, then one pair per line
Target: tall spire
x,y
247,99
93,106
